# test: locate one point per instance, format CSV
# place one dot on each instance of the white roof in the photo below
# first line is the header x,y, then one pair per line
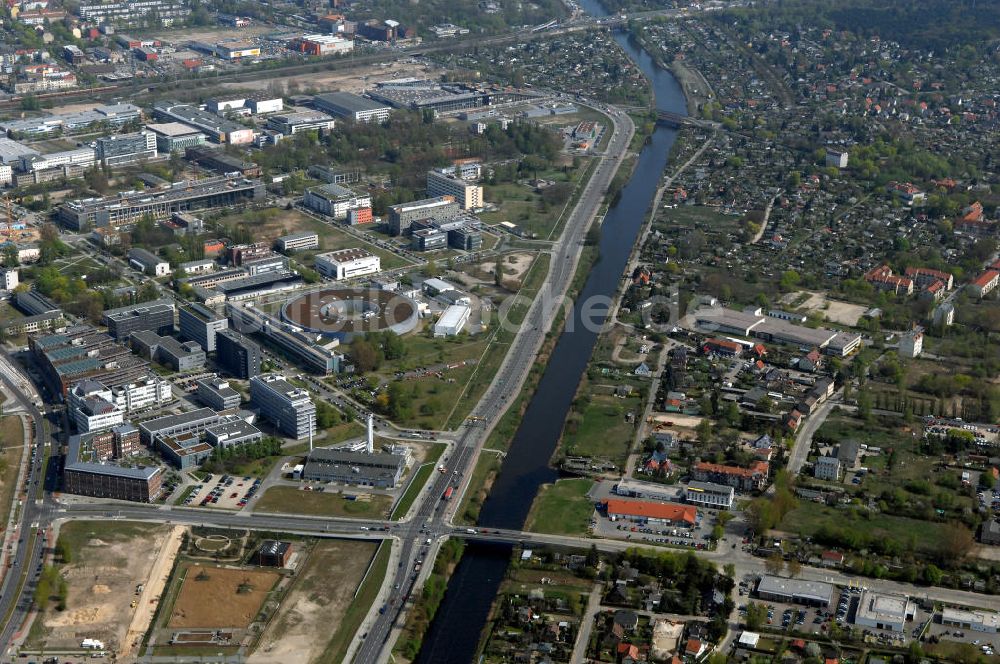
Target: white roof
x,y
454,315
749,639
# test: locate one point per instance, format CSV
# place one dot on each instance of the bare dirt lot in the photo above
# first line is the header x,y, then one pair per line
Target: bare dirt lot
x,y
834,311
354,80
220,596
317,601
109,561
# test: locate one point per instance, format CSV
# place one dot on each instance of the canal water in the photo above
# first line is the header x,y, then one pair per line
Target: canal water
x,y
454,634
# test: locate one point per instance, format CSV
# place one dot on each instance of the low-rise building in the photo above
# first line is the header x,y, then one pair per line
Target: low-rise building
x,y
194,421
795,591
884,611
157,316
175,136
827,468
298,241
641,511
232,433
334,200
148,262
378,469
290,124
974,620
273,553
347,264
753,478
982,285
217,394
352,107
452,321
708,494
179,356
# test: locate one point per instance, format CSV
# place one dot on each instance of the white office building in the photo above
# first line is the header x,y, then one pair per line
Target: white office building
x,y
708,494
289,408
10,279
334,200
347,264
469,195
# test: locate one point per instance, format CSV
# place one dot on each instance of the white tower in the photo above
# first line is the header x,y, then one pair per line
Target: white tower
x,y
370,448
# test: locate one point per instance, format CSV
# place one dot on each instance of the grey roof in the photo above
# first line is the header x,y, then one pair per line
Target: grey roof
x,y
73,463
147,258
350,102
710,487
816,590
170,421
235,428
128,310
301,235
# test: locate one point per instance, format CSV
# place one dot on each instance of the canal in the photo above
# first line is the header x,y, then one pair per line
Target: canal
x,y
454,634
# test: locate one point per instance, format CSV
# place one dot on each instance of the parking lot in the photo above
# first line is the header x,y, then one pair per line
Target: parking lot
x,y
225,492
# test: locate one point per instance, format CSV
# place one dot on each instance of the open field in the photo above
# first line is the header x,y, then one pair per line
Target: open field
x,y
220,596
290,500
319,598
601,430
336,649
834,311
562,508
109,560
11,449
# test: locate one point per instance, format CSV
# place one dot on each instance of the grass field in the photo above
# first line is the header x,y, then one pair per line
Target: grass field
x,y
601,430
337,647
486,466
289,500
419,480
808,518
562,508
220,597
11,448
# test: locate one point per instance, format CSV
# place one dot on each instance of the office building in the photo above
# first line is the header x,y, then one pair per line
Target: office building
x,y
232,433
15,327
707,494
466,238
179,356
221,162
273,553
378,469
141,484
175,136
194,421
298,241
217,394
157,316
9,278
403,215
133,12
347,264
290,124
149,390
468,194
300,348
237,355
428,239
266,264
123,210
185,450
119,149
91,407
795,591
148,262
334,200
80,352
289,408
217,128
199,323
352,107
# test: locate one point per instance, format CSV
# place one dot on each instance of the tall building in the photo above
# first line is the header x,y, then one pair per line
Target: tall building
x,y
468,194
289,408
403,215
120,149
157,316
334,200
201,324
351,106
237,355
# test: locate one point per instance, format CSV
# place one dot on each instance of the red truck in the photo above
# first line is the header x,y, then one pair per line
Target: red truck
x,y
447,493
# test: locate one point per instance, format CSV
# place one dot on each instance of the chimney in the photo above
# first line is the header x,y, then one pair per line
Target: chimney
x,y
371,434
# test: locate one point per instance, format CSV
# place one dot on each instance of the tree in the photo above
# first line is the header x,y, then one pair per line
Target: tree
x,y
793,567
729,570
704,431
955,543
789,280
774,564
756,616
364,355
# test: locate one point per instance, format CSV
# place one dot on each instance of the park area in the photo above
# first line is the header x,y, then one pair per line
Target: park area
x,y
104,564
220,596
294,500
318,604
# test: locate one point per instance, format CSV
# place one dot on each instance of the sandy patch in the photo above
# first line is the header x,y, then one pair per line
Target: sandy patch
x,y
835,311
221,597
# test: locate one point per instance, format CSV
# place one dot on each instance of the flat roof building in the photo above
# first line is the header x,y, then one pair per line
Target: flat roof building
x,y
237,355
232,433
708,494
157,316
334,200
148,262
179,356
194,421
452,321
352,107
469,195
290,124
217,394
971,619
175,136
199,323
298,241
884,611
795,591
289,408
347,263
440,208
379,469
217,128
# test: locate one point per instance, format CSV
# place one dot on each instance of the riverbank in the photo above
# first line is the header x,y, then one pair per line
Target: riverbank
x,y
697,91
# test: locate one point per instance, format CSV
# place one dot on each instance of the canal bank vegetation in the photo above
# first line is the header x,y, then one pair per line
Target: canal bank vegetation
x,y
562,508
425,605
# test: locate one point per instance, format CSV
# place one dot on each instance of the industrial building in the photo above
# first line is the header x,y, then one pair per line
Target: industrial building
x,y
237,355
321,45
795,591
218,129
719,320
403,215
290,124
334,200
377,469
347,263
123,210
147,262
119,149
469,195
352,107
298,241
34,303
217,394
179,356
175,136
884,611
157,316
708,494
452,321
199,323
974,620
420,95
289,408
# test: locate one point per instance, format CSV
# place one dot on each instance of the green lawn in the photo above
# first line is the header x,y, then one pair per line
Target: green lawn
x,y
601,430
486,466
290,500
337,647
562,508
419,480
76,534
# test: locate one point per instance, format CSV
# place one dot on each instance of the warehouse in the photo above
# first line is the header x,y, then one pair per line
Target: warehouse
x,y
347,264
793,591
452,321
643,511
351,106
973,620
378,469
882,611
